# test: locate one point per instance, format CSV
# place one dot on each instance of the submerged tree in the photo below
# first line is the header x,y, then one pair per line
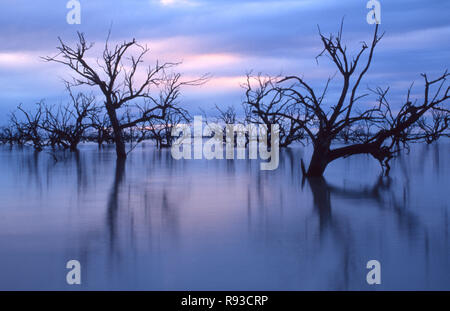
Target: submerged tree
x,y
262,103
169,94
116,75
102,127
161,129
8,135
27,127
67,124
379,130
225,120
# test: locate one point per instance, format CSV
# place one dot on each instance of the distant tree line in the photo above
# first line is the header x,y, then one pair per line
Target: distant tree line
x,y
82,119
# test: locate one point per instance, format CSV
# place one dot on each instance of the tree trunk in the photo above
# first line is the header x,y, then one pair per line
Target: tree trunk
x,y
319,161
73,147
118,136
322,201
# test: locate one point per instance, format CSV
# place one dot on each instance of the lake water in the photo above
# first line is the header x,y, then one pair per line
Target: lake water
x,y
163,224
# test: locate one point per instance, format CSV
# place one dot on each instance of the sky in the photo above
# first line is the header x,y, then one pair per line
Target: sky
x,y
225,38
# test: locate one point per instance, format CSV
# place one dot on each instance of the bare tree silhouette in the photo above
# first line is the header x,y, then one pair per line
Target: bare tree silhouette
x,y
161,128
28,128
67,124
380,130
227,115
102,126
225,119
115,74
8,135
263,101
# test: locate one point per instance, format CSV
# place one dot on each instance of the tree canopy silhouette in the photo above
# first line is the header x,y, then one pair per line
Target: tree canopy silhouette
x,y
380,129
116,73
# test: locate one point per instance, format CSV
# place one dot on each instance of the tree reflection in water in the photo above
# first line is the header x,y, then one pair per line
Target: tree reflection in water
x,y
156,223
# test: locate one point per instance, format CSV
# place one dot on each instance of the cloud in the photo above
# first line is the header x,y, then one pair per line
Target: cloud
x,y
17,60
426,38
223,37
178,3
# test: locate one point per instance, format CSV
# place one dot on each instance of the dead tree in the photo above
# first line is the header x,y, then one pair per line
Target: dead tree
x,y
28,127
431,131
102,126
5,135
262,103
386,130
9,135
67,124
227,115
135,134
115,74
161,129
170,91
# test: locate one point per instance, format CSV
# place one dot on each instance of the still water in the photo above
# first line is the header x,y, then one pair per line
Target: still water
x,y
162,224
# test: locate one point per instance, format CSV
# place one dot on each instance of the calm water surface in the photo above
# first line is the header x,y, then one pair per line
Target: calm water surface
x,y
162,224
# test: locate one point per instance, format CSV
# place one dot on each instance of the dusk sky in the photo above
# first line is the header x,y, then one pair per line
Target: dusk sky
x,y
225,38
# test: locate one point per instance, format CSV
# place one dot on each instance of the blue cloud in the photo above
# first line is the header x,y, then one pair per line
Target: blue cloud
x,y
270,36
